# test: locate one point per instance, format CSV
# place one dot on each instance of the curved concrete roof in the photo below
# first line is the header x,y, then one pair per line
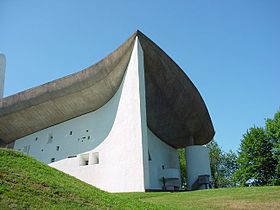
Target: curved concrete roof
x,y
175,109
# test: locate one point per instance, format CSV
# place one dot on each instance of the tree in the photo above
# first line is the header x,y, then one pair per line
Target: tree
x,y
183,169
223,165
229,167
273,133
215,155
255,162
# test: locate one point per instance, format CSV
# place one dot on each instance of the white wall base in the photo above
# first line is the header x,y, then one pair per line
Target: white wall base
x,y
198,163
162,156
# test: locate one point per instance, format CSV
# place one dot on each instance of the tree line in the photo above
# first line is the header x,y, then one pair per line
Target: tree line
x,y
257,161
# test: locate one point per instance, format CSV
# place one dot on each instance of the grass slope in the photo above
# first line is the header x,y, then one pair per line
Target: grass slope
x,y
226,198
29,184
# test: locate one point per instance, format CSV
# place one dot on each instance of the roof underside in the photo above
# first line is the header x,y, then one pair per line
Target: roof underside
x,y
175,109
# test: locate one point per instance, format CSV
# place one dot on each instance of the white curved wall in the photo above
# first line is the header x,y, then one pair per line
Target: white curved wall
x,y
197,163
73,137
162,154
108,148
117,133
2,73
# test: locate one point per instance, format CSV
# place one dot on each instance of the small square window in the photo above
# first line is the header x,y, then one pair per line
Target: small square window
x,y
95,158
86,130
84,159
52,160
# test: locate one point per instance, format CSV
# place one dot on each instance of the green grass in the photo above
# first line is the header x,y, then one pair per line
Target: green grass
x,y
29,184
226,198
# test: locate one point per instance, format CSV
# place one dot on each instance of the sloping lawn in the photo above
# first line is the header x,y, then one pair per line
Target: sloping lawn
x,y
226,198
29,184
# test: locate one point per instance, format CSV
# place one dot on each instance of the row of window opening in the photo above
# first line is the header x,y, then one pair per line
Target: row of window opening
x,y
71,132
50,137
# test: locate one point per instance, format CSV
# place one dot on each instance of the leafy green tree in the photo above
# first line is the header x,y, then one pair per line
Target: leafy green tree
x,y
215,154
273,133
223,165
183,169
255,161
228,168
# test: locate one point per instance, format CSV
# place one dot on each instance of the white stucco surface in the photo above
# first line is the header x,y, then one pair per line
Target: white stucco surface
x,y
162,155
198,163
117,132
110,147
2,73
73,137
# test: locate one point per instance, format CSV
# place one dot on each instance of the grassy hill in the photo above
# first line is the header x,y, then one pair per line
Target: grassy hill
x,y
28,184
225,198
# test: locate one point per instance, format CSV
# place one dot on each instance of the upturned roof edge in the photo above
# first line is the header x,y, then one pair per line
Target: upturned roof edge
x,y
175,108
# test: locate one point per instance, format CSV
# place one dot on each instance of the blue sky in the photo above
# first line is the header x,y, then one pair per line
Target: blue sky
x,y
230,49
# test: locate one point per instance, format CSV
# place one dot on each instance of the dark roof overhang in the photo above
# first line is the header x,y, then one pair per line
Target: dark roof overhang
x,y
175,109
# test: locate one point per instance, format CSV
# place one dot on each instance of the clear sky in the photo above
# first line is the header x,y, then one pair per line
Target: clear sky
x,y
230,49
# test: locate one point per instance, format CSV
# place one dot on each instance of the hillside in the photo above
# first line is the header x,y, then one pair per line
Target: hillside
x,y
224,198
29,184
26,183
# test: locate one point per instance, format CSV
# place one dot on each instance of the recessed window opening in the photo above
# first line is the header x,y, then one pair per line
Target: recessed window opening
x,y
88,137
26,149
89,159
42,150
84,159
52,160
50,138
94,158
150,159
36,138
83,137
86,130
57,148
70,133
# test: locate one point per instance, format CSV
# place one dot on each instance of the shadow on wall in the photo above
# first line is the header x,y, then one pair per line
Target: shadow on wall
x,y
99,122
74,136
